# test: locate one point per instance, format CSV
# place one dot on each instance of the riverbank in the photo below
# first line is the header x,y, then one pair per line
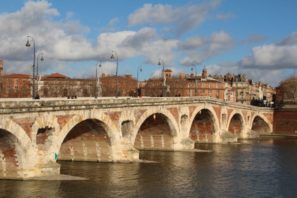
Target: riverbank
x,y
279,135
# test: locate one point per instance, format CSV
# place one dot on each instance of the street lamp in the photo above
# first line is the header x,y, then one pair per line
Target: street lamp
x,y
28,44
161,63
39,57
139,70
115,56
195,76
97,85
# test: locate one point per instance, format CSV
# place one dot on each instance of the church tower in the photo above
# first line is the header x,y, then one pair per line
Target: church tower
x,y
204,73
1,67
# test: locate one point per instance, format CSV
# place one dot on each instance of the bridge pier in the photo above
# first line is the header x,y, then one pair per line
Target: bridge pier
x,y
124,152
181,144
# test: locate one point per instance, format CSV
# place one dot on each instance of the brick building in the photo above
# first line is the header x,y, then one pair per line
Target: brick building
x,y
59,85
185,85
15,85
245,91
127,85
229,87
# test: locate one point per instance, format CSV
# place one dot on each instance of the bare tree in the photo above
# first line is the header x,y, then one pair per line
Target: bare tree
x,y
289,89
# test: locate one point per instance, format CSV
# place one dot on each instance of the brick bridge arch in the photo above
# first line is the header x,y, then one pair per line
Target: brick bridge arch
x,y
24,148
107,124
171,121
216,123
265,119
242,122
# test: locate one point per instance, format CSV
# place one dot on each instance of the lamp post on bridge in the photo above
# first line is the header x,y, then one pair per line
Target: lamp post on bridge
x,y
28,44
195,76
39,57
139,70
138,89
98,85
114,55
161,63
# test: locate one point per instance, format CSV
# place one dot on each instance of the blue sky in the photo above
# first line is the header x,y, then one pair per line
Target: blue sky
x,y
255,37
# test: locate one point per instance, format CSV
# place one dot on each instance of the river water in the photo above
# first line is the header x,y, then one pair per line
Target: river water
x,y
266,168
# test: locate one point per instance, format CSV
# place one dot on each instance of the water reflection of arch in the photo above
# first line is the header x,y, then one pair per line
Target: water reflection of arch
x,y
100,119
214,122
232,125
169,120
264,125
16,146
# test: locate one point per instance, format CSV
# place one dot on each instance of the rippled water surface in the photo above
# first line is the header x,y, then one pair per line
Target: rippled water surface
x,y
251,169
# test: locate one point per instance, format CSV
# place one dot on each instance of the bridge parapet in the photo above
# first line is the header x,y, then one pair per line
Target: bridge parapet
x,y
25,106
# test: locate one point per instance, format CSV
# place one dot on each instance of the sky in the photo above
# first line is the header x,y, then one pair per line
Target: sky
x,y
258,38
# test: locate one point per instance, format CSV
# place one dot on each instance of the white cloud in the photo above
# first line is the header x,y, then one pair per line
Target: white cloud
x,y
274,56
65,39
181,19
193,43
268,63
144,43
199,49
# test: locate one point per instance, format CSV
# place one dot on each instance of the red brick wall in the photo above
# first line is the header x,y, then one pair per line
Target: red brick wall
x,y
285,121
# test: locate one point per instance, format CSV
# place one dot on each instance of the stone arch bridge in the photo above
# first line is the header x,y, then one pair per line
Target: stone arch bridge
x,y
35,134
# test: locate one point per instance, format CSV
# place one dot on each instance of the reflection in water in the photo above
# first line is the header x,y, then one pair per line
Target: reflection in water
x,y
250,169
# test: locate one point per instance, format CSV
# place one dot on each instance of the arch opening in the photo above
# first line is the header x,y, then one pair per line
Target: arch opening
x,y
127,129
183,119
9,154
259,125
87,141
155,133
236,124
203,126
43,135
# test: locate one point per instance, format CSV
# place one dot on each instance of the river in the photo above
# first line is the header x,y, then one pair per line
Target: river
x,y
266,168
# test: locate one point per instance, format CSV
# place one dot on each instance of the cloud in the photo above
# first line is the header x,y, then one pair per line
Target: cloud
x,y
193,43
181,19
139,38
199,49
111,26
255,38
273,56
65,39
144,43
58,39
